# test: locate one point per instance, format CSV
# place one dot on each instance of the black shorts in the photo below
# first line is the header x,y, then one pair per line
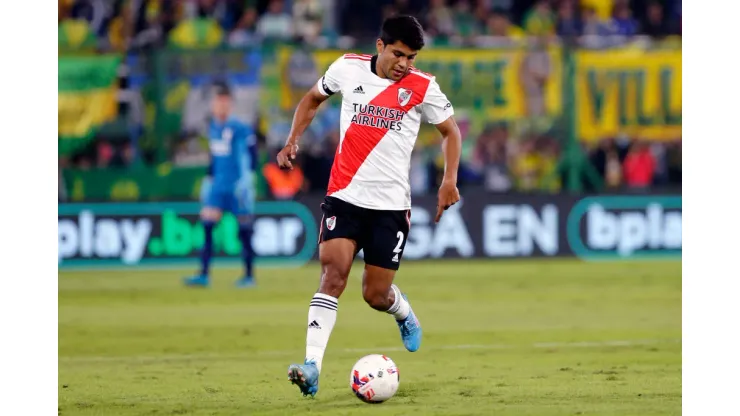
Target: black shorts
x,y
380,234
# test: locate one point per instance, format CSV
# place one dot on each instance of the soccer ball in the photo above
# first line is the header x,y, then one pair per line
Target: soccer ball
x,y
374,378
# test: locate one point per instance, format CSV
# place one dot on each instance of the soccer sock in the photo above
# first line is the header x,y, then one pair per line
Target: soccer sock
x,y
245,236
400,308
205,254
322,314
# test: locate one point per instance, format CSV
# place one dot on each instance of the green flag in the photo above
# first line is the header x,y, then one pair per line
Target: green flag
x,y
87,98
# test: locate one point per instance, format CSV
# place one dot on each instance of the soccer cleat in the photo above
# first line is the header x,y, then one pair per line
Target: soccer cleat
x,y
245,282
306,376
197,281
410,330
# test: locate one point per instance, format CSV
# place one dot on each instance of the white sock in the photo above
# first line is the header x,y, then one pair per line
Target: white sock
x,y
322,314
400,308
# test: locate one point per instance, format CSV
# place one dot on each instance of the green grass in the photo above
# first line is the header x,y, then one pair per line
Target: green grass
x,y
541,338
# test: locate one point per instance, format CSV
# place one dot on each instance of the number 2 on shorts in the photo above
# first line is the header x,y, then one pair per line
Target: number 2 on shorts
x,y
400,242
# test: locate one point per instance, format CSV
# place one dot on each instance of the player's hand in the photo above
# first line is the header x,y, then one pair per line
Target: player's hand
x,y
287,154
447,196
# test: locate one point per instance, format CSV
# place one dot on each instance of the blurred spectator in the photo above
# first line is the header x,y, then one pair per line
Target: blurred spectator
x,y
94,12
607,159
244,33
597,33
439,19
593,25
200,32
623,22
465,23
219,10
659,152
399,7
275,23
499,31
317,162
124,157
105,153
490,159
656,25
568,25
502,5
639,166
674,162
539,20
549,158
307,18
76,36
283,184
526,166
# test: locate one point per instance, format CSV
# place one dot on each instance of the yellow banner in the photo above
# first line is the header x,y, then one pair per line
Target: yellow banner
x,y
637,93
496,84
81,110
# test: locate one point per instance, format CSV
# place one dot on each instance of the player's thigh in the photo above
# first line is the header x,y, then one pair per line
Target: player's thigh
x,y
385,239
341,220
339,241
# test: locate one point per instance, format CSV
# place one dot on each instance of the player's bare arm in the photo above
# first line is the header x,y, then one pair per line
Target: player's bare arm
x,y
451,149
304,114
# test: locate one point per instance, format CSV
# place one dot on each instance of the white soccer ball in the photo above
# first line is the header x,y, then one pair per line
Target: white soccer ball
x,y
374,378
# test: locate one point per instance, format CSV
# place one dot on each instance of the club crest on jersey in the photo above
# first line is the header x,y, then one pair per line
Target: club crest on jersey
x,y
404,96
331,222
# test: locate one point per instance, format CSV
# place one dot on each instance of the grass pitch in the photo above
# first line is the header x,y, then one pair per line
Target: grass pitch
x,y
555,337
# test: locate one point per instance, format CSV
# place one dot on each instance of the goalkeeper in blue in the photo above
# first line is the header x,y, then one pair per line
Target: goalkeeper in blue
x,y
228,185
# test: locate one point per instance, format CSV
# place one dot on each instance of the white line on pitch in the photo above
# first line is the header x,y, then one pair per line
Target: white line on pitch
x,y
195,357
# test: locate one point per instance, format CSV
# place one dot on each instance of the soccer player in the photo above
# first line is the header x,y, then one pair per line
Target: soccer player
x,y
384,100
229,184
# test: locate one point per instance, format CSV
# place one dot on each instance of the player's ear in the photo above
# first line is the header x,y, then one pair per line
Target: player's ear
x,y
379,45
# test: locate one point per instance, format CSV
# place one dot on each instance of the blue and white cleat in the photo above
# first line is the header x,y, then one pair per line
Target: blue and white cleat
x,y
306,376
201,280
245,282
410,330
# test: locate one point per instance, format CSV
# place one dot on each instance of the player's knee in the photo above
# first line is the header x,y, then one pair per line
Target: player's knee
x,y
210,214
377,299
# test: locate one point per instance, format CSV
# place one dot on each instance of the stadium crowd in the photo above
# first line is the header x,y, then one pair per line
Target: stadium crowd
x,y
132,24
502,157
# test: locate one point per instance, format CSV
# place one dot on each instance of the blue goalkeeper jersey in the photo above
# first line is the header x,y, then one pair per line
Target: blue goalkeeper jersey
x,y
233,153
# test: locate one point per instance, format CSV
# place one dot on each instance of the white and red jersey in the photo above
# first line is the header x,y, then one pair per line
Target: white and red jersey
x,y
379,124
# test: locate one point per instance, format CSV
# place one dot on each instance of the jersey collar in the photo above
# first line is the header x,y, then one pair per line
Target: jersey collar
x,y
374,64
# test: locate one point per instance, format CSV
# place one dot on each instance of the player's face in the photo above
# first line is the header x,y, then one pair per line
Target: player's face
x,y
395,59
221,106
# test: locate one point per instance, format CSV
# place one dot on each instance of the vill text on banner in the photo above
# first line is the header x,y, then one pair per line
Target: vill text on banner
x,y
632,92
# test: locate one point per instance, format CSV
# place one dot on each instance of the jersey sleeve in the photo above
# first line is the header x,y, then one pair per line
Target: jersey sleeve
x,y
435,108
331,82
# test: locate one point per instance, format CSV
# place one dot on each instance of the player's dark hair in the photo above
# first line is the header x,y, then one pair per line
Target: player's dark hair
x,y
221,88
403,28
